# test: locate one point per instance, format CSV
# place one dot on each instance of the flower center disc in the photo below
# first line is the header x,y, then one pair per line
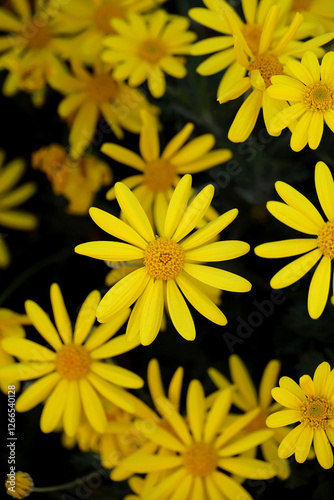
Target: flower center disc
x,y
252,34
102,88
105,13
317,412
163,259
319,97
73,362
151,50
326,240
159,175
200,459
268,65
37,37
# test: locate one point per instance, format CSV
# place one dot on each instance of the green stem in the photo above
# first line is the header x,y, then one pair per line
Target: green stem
x,y
64,486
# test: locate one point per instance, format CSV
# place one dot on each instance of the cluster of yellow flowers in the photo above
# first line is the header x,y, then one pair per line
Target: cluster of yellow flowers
x,y
110,63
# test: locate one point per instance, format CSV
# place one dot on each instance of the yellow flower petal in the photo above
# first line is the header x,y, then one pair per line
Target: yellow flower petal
x,y
246,117
97,342
116,395
54,407
37,392
289,443
195,408
83,128
268,29
160,436
86,317
92,405
117,375
26,370
60,314
319,288
218,251
327,68
248,467
217,413
236,91
123,155
285,248
72,410
229,487
194,149
218,278
268,381
42,323
295,270
149,139
177,422
151,463
27,350
303,445
299,137
323,449
325,188
245,443
177,205
150,324
110,250
283,418
315,130
243,381
179,312
293,217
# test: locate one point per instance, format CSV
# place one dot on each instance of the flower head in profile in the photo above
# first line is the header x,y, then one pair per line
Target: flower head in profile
x,y
78,181
147,47
310,90
270,60
11,325
246,398
71,375
171,262
200,454
19,485
159,171
299,213
93,94
311,403
10,198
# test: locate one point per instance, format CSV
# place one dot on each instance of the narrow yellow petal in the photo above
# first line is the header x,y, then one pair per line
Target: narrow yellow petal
x,y
177,141
268,381
149,139
300,134
195,408
116,395
242,380
54,407
218,278
289,34
194,149
268,29
217,414
60,314
283,418
236,91
245,443
177,205
289,443
123,155
323,449
117,375
319,288
293,217
150,324
295,270
248,467
160,436
27,350
92,406
42,323
218,251
246,117
26,370
37,392
325,188
83,128
72,411
97,340
230,488
112,251
304,444
179,312
86,317
285,248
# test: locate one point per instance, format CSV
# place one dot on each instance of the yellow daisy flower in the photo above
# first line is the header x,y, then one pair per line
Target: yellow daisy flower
x,y
11,325
310,90
91,95
71,376
11,198
200,453
160,171
311,402
170,262
19,485
300,214
257,32
246,399
94,18
78,181
271,60
144,48
318,12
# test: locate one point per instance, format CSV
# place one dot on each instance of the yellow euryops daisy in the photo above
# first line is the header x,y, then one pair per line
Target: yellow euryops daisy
x,y
311,402
318,12
201,455
245,398
271,60
11,325
310,90
10,198
160,170
300,214
172,262
94,18
19,485
256,32
72,376
145,47
78,181
91,95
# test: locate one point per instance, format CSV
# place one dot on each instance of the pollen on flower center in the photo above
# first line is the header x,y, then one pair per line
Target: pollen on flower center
x,y
268,65
319,97
325,239
159,174
102,88
164,259
37,37
105,13
252,34
200,459
152,50
317,412
73,362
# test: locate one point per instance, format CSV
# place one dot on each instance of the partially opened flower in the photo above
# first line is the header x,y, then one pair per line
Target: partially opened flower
x,y
201,455
246,398
159,171
309,89
10,198
19,485
311,403
171,262
300,214
71,375
146,47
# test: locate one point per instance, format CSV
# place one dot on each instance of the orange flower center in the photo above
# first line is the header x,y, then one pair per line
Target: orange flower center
x,y
37,37
319,97
325,240
152,50
299,5
252,34
317,413
105,13
164,259
102,88
268,65
73,362
200,459
159,174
